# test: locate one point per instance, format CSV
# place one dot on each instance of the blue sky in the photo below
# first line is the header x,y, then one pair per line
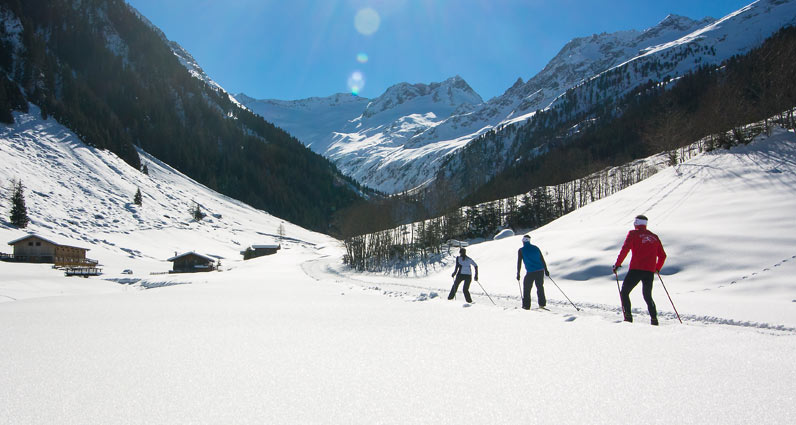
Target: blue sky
x,y
293,49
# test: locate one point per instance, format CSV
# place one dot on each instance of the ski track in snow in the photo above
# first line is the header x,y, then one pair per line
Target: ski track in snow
x,y
328,270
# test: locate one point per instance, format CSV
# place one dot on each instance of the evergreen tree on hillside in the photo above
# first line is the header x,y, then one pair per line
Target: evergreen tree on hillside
x,y
196,212
19,213
137,198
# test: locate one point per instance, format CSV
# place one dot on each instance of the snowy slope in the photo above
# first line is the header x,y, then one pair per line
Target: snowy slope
x,y
78,193
297,338
312,120
725,221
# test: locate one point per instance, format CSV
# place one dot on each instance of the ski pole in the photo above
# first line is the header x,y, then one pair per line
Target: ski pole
x,y
519,286
487,295
562,292
620,294
670,298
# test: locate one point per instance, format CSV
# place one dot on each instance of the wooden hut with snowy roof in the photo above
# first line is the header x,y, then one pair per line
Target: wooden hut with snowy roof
x,y
191,262
37,249
255,251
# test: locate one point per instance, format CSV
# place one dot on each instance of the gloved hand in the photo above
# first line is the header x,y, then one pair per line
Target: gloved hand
x,y
615,268
547,273
476,277
453,274
518,276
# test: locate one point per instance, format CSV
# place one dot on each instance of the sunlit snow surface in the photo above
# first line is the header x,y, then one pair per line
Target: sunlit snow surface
x,y
298,338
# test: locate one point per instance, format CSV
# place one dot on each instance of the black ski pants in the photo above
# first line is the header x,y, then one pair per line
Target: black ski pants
x,y
466,289
631,280
527,283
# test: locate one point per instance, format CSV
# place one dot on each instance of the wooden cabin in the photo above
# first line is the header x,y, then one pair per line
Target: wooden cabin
x,y
255,251
191,262
36,249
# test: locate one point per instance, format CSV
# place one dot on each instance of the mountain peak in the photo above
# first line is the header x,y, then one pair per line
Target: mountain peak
x,y
677,23
442,97
244,98
674,19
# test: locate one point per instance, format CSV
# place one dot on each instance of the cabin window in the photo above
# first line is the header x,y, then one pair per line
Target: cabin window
x,y
30,243
38,243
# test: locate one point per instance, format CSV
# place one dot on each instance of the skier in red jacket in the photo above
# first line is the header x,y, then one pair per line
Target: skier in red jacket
x,y
647,259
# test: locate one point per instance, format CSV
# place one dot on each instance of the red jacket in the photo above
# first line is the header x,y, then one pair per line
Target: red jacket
x,y
647,250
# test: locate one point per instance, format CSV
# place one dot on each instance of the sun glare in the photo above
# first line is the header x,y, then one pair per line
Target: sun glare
x,y
367,21
356,82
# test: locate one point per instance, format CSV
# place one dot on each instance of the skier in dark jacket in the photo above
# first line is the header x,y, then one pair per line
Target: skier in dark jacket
x,y
462,273
647,259
535,271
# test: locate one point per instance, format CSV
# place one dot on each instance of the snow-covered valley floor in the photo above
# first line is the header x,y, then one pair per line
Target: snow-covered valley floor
x,y
298,338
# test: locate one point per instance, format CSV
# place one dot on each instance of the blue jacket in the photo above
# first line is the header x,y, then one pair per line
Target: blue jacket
x,y
532,256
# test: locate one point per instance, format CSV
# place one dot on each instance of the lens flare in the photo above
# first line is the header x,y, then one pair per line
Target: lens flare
x,y
356,82
367,21
362,57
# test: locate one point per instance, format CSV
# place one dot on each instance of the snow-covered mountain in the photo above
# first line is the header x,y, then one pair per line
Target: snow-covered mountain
x,y
709,45
373,140
309,120
406,149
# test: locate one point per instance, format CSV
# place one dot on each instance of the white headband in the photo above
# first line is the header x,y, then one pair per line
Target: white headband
x,y
640,222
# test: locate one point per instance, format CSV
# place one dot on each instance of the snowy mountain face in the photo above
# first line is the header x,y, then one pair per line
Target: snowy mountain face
x,y
603,67
375,141
309,120
405,145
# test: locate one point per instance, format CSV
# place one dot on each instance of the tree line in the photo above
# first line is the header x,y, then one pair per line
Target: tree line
x,y
414,245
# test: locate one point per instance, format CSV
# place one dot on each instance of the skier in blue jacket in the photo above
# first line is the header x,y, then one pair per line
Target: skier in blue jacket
x,y
535,271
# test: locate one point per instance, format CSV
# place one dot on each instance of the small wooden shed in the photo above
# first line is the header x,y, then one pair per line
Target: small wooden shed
x,y
36,249
191,262
255,251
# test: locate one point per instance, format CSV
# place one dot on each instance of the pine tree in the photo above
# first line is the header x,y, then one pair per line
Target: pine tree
x,y
137,198
196,212
19,213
